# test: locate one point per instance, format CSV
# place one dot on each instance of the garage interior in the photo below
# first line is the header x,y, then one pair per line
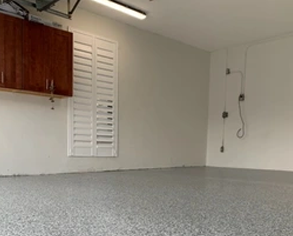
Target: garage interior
x,y
146,117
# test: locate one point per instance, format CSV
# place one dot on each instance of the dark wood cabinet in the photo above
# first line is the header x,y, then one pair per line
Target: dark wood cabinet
x,y
60,59
11,45
35,58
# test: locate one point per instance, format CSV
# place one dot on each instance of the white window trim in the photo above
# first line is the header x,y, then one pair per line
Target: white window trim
x,y
116,107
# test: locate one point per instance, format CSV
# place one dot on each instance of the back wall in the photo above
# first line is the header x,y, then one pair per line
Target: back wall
x,y
163,107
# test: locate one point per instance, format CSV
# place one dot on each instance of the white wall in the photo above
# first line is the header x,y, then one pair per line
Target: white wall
x,y
269,109
163,105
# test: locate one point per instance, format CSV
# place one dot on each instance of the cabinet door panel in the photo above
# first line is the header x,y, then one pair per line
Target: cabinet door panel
x,y
36,63
11,41
2,33
61,61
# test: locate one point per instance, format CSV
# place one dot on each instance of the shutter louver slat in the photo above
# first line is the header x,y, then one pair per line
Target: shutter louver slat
x,y
106,45
106,66
81,94
85,146
82,75
106,73
80,137
105,98
105,92
82,54
84,126
105,110
87,48
103,85
82,81
82,131
105,129
82,67
104,60
105,53
102,102
82,87
104,79
78,60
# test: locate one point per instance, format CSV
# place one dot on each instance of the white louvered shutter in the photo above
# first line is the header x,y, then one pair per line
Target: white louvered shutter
x,y
82,101
106,93
93,113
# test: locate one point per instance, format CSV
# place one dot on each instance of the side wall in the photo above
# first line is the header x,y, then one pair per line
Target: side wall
x,y
163,106
268,107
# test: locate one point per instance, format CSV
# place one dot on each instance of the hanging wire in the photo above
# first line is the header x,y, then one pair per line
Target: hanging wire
x,y
241,132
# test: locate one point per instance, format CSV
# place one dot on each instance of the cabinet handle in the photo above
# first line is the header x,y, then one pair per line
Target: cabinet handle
x,y
47,84
2,77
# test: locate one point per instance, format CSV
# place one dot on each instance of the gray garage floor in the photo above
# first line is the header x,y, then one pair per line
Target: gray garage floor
x,y
196,201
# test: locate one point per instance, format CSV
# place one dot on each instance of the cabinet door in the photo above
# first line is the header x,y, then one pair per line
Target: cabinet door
x,y
61,61
36,63
2,47
11,38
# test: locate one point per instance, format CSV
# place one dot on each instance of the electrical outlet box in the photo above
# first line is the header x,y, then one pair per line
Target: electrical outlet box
x,y
222,149
225,114
242,97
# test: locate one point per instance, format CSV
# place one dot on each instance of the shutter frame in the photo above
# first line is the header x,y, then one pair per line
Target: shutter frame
x,y
104,137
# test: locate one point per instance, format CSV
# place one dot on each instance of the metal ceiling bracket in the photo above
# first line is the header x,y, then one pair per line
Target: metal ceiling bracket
x,y
74,7
43,5
46,5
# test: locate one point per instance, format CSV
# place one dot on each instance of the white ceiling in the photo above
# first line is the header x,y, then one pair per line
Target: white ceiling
x,y
208,24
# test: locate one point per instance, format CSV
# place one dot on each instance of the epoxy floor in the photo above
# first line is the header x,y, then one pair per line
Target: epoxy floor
x,y
191,201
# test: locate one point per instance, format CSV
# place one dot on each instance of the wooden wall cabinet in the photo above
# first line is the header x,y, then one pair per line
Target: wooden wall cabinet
x,y
61,61
35,58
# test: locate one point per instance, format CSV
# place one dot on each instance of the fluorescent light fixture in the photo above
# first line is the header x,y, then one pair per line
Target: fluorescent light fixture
x,y
123,8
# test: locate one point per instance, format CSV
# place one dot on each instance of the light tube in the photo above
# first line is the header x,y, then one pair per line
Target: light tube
x,y
123,8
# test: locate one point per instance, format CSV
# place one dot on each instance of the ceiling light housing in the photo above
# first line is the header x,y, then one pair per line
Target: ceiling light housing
x,y
126,9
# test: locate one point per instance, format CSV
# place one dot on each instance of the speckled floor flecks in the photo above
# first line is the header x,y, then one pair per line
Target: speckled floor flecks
x,y
192,201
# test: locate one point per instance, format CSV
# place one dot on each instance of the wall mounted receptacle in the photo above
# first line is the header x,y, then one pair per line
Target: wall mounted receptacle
x,y
242,97
222,149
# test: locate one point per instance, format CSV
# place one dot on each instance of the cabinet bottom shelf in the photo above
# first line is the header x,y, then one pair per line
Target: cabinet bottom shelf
x,y
31,93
